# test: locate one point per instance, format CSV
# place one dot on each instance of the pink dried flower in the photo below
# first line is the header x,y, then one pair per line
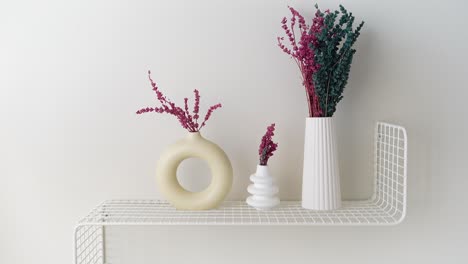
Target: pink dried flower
x,y
186,120
208,114
302,54
267,146
196,107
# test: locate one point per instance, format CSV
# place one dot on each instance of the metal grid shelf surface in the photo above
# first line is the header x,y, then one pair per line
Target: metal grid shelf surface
x,y
155,212
386,207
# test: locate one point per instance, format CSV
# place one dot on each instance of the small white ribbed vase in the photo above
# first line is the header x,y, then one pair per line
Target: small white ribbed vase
x,y
321,177
264,191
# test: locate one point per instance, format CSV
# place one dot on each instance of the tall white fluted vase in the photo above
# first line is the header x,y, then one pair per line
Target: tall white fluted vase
x,y
321,176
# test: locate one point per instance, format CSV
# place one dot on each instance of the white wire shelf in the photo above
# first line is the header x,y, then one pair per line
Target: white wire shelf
x,y
386,207
155,212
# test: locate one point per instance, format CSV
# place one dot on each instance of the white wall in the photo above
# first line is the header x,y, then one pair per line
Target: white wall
x,y
72,74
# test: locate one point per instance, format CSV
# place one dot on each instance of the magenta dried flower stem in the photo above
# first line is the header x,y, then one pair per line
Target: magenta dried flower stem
x,y
267,146
196,107
302,54
323,53
185,118
208,114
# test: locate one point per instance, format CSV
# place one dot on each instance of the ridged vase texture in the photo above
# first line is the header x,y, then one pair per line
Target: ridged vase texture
x,y
264,192
321,178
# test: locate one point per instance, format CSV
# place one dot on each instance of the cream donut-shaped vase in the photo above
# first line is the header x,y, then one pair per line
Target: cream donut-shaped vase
x,y
194,146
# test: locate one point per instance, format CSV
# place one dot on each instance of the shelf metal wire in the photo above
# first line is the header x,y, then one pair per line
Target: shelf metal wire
x,y
386,207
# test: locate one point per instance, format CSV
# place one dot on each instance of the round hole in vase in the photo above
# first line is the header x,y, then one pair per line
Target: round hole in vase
x,y
194,174
194,146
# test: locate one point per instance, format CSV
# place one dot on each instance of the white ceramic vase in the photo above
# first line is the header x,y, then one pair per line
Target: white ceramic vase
x,y
321,177
264,191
